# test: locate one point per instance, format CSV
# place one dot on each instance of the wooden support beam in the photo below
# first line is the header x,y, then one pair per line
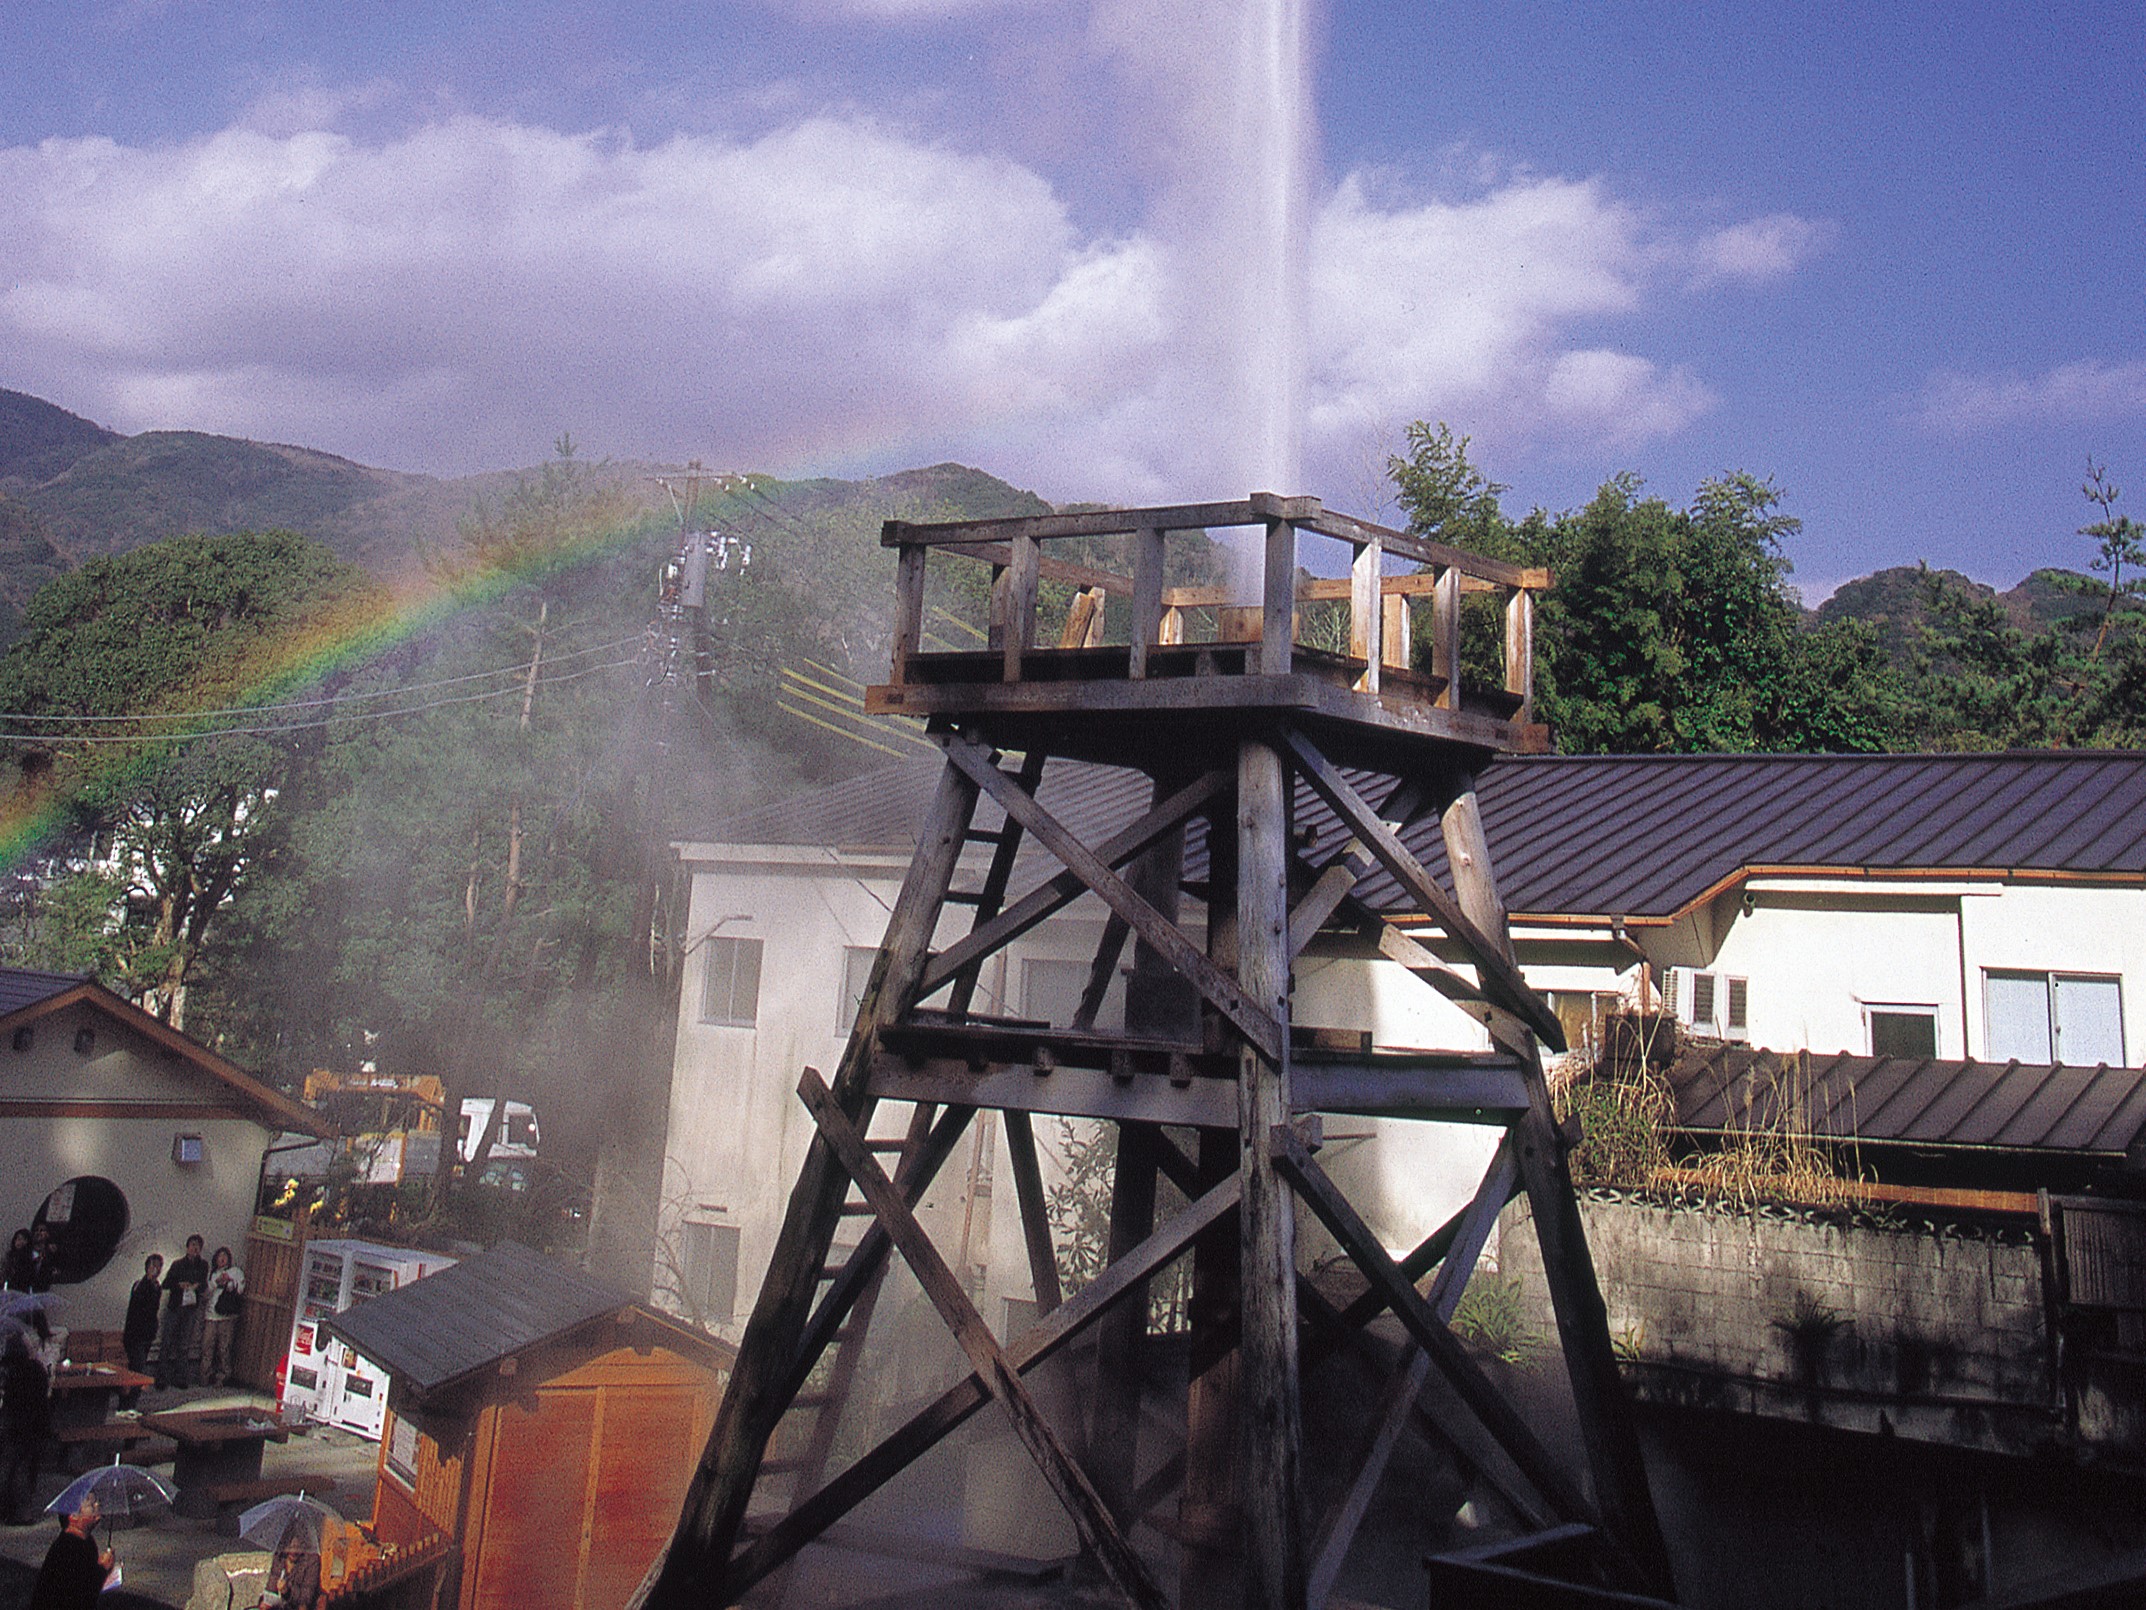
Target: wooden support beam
x,y
908,632
1267,1384
1278,600
946,1413
1091,1518
1366,630
1397,640
1255,1024
1520,652
1484,1399
1501,979
1114,1439
722,1483
1476,1221
849,1290
1320,901
1148,554
1020,604
1057,893
1600,1403
1035,1211
1445,638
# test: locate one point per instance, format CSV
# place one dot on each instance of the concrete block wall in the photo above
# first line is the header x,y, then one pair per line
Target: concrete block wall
x,y
1818,1316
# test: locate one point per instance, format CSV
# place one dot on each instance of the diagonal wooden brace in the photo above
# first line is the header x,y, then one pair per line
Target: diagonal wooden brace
x,y
1162,935
1501,978
1090,1517
952,1408
1338,1531
1513,1434
1061,891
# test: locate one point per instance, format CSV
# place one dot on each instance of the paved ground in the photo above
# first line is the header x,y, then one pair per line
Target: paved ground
x,y
159,1560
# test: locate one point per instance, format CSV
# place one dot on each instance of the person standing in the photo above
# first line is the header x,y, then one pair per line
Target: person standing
x,y
44,1258
219,1328
19,1270
75,1570
25,1423
184,1283
140,1333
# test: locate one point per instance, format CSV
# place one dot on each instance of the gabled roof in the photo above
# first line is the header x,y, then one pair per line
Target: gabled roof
x,y
1641,837
27,997
1912,1101
445,1328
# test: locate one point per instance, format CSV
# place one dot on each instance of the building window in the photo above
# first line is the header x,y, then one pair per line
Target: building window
x,y
1715,1003
856,974
708,1271
401,1459
1902,1031
2073,1018
730,991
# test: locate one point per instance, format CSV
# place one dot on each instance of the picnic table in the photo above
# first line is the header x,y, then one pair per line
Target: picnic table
x,y
216,1447
83,1394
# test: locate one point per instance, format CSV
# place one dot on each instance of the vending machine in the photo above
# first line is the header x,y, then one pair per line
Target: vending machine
x,y
325,1380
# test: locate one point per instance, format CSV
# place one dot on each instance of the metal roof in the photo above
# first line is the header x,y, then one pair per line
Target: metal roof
x,y
445,1327
1636,836
1914,1101
23,986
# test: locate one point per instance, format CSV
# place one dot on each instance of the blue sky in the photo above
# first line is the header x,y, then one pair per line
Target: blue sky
x,y
1889,256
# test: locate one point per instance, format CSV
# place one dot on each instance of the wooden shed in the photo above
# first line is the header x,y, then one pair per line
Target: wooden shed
x,y
544,1421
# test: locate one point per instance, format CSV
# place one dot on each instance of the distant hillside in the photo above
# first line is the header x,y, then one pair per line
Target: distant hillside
x,y
1894,599
38,440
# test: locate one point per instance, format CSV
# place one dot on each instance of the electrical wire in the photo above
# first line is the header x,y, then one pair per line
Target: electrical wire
x,y
402,690
334,718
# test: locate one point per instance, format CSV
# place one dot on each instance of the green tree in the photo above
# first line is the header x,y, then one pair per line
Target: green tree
x,y
1980,679
1666,629
144,674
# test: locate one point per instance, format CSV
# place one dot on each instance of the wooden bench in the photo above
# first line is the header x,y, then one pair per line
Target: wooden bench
x,y
114,1436
230,1497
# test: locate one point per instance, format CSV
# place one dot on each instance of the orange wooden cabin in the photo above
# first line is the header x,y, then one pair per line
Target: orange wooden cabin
x,y
544,1422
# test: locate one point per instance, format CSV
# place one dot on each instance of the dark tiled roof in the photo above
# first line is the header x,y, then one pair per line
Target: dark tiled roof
x,y
1644,836
436,1331
1727,1089
21,987
1635,836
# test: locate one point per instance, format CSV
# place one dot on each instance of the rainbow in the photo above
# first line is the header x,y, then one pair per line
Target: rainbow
x,y
336,638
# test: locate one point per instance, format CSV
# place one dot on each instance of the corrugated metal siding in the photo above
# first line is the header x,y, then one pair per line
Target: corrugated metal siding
x,y
1931,1102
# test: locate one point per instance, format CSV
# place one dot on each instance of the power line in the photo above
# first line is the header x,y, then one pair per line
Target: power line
x,y
399,691
335,718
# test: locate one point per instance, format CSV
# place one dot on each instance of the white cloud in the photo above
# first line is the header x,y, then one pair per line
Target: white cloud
x,y
2084,392
1760,249
833,296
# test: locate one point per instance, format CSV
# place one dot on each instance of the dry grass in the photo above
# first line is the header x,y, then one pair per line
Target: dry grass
x,y
1626,1113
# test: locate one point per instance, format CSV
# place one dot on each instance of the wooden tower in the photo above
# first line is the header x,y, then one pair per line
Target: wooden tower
x,y
1226,729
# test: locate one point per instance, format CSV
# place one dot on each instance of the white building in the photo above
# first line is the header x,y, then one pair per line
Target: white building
x,y
1985,906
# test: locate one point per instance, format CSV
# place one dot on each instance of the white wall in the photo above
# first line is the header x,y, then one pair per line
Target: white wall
x,y
166,1201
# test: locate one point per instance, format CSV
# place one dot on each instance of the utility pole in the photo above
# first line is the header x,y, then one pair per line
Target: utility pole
x,y
629,1168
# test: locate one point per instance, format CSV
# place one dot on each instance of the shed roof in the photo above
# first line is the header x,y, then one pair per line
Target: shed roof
x,y
444,1328
1914,1101
26,996
1642,837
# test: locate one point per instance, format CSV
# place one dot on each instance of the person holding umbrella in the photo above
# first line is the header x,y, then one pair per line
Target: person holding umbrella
x,y
297,1526
75,1570
117,1494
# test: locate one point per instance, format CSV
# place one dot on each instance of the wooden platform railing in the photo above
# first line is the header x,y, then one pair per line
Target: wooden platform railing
x,y
1379,624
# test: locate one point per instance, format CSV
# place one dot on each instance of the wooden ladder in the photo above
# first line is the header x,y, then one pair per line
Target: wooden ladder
x,y
920,1148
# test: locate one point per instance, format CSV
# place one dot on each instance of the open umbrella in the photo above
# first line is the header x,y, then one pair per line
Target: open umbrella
x,y
20,1304
127,1494
287,1520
